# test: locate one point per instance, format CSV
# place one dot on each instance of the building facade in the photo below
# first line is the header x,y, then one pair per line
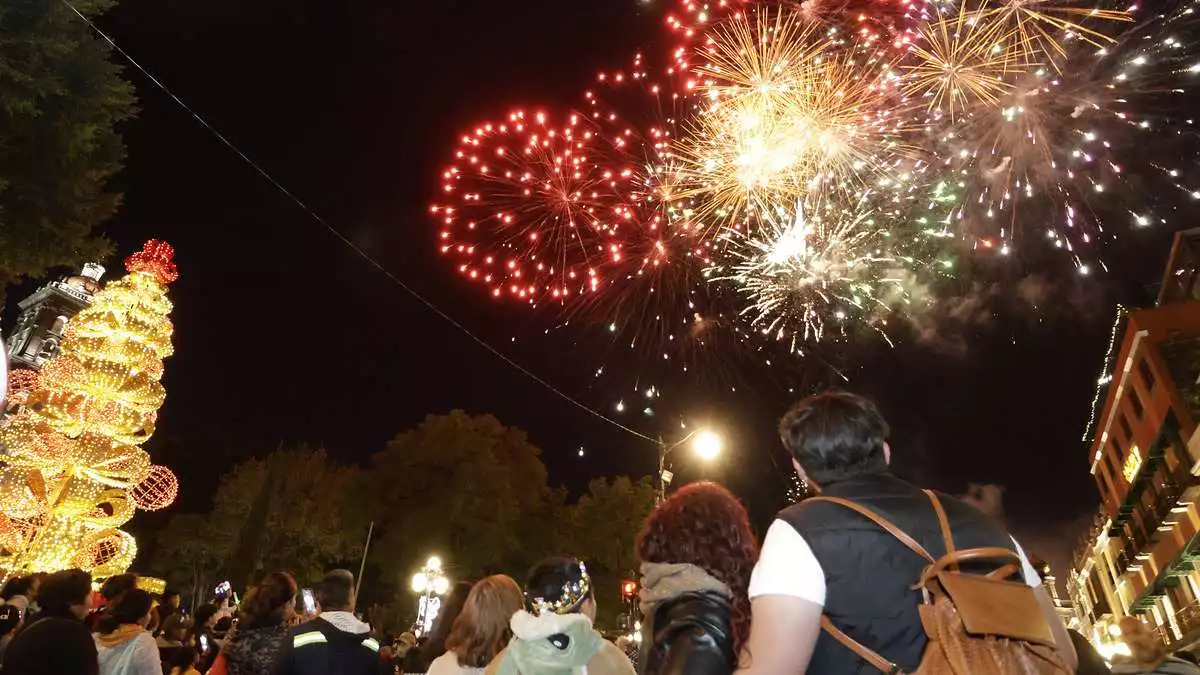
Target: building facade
x,y
44,316
1139,557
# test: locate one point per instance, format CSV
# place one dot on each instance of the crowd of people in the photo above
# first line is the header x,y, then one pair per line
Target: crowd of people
x,y
871,575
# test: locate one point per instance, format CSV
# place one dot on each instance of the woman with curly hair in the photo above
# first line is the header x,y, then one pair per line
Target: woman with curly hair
x,y
697,552
263,635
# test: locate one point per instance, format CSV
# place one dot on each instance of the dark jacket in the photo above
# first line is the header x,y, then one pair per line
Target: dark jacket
x,y
52,646
689,635
320,648
869,574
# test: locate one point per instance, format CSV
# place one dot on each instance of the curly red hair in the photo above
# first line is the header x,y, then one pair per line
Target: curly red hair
x,y
703,524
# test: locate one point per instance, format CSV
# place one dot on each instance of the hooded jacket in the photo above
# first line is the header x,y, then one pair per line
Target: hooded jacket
x,y
129,650
334,643
687,629
558,644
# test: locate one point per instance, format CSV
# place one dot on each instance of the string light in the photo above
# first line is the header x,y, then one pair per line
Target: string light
x,y
1106,373
74,470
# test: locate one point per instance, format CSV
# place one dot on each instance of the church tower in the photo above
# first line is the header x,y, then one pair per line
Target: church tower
x,y
44,316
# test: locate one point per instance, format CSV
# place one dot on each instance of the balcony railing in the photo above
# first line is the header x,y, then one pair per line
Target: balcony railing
x,y
1188,618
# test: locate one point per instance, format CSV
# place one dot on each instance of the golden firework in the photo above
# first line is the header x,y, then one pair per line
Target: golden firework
x,y
1034,31
959,61
789,110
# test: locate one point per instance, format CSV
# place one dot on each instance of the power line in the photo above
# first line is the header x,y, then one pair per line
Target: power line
x,y
342,238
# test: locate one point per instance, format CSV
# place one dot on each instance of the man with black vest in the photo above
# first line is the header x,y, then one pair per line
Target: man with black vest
x,y
823,559
336,642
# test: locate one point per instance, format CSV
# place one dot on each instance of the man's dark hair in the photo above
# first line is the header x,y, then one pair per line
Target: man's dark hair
x,y
62,589
550,578
133,605
116,586
336,591
14,587
835,435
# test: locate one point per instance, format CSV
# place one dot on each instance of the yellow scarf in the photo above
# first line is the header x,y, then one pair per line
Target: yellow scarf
x,y
124,633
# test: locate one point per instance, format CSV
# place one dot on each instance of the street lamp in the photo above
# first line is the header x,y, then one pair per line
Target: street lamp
x,y
430,584
706,443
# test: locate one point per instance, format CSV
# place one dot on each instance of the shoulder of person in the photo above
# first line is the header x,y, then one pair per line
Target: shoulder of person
x,y
1177,666
609,659
705,609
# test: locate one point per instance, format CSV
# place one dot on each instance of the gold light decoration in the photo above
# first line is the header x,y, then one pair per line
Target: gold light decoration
x,y
74,471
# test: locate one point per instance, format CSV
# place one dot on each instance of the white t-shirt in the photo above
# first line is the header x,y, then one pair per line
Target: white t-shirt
x,y
786,566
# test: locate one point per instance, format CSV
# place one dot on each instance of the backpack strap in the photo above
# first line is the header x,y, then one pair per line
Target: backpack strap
x,y
878,662
943,523
881,664
878,520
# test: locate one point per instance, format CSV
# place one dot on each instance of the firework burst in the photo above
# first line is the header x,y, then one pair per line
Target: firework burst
x,y
957,64
533,210
1037,31
789,111
798,272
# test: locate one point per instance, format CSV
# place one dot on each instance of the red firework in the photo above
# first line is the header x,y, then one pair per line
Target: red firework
x,y
534,209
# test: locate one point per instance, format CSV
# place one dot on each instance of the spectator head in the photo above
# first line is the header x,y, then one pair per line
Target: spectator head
x,y
335,593
835,435
174,627
14,587
434,644
35,583
224,625
179,660
703,524
1144,645
171,598
116,586
206,617
560,586
133,607
271,603
481,630
66,594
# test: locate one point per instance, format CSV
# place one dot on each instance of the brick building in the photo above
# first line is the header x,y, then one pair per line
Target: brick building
x,y
1144,453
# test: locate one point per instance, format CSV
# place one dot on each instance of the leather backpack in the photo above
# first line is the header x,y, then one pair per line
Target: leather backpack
x,y
976,624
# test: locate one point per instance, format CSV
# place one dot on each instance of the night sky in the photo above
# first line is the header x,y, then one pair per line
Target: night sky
x,y
283,334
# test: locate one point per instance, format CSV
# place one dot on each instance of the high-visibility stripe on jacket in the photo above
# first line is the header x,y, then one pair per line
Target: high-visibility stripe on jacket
x,y
319,648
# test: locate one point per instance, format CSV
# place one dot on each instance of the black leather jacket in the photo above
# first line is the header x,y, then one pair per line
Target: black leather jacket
x,y
689,635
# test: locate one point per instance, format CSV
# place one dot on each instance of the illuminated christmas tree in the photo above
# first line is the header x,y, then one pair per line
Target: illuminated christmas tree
x,y
73,470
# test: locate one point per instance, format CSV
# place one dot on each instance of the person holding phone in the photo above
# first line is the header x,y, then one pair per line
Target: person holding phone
x,y
201,637
259,644
336,642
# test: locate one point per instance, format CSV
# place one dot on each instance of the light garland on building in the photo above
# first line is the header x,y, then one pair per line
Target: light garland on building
x,y
73,471
1105,374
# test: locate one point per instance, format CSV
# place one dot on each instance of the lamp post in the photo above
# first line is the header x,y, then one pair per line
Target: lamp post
x,y
706,443
430,584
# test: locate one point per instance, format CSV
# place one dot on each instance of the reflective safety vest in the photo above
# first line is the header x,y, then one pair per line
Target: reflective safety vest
x,y
317,637
318,648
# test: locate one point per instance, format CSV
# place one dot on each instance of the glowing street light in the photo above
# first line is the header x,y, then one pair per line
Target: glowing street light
x,y
706,444
430,584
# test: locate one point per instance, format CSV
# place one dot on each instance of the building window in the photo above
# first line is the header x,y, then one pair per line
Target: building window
x,y
1135,402
1112,459
1125,428
1147,374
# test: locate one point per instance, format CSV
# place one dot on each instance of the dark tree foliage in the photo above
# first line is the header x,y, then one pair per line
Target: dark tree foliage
x,y
60,98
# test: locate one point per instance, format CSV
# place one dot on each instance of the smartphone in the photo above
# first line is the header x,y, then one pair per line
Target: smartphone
x,y
310,601
222,590
203,643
